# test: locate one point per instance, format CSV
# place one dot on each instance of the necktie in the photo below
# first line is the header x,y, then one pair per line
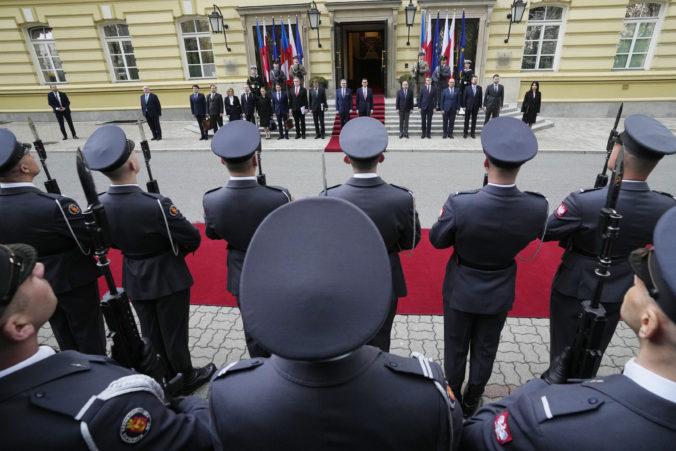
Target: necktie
x,y
495,88
343,92
404,93
58,97
428,89
473,90
147,97
296,92
279,97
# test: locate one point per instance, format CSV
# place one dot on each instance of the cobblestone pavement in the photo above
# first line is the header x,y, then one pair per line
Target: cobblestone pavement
x,y
216,335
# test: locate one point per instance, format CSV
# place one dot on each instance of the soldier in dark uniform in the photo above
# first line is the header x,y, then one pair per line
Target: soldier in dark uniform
x,y
634,410
488,227
391,207
465,79
277,76
233,212
316,286
69,400
54,225
575,225
255,81
154,238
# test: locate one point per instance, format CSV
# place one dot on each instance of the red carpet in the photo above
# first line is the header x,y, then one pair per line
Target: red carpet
x,y
378,113
424,272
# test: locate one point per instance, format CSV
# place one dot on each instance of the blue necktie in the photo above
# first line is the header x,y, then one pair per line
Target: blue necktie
x,y
473,91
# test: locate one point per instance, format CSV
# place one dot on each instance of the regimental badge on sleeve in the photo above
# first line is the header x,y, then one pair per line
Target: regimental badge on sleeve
x,y
173,211
441,213
73,209
135,425
561,210
502,434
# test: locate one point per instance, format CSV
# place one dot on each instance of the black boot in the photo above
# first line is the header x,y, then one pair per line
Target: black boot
x,y
471,399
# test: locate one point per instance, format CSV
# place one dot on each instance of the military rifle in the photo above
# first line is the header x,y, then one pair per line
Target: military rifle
x,y
602,178
260,177
51,184
586,353
151,185
129,349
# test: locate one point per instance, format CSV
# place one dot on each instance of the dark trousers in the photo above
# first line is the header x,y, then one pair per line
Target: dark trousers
x,y
479,334
154,124
200,118
281,124
473,114
426,118
364,113
382,338
494,112
318,118
216,121
299,121
448,119
403,121
60,115
344,118
165,322
563,313
250,117
77,322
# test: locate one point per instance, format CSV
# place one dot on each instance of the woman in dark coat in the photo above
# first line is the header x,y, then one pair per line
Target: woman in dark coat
x,y
531,104
232,107
265,110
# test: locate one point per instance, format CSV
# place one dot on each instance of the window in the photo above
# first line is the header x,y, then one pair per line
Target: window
x,y
120,51
47,57
542,35
197,46
636,36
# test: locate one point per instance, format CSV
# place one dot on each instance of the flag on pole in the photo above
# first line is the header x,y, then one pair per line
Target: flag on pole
x,y
275,54
449,42
422,33
461,58
428,42
286,55
292,42
299,45
263,48
437,47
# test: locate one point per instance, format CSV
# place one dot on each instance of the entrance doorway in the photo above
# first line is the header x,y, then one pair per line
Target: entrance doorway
x,y
361,52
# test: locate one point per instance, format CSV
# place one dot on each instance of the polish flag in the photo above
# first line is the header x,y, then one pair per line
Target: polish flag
x,y
449,42
428,42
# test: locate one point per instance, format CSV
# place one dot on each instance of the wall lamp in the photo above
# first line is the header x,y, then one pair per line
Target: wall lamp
x,y
518,8
218,25
410,18
313,14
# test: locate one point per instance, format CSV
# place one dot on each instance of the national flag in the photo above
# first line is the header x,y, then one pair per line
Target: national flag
x,y
437,47
449,42
428,42
286,55
299,45
263,48
292,41
422,33
275,54
461,58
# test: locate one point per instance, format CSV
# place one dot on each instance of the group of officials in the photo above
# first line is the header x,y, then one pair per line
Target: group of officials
x,y
317,282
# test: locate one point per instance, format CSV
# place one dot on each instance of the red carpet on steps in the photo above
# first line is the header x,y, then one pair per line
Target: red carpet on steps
x,y
378,113
424,271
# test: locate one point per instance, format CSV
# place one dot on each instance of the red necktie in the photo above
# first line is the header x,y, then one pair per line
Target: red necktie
x,y
296,92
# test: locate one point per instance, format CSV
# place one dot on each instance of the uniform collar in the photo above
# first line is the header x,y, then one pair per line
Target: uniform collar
x,y
634,185
42,353
654,383
365,175
501,190
18,185
511,185
126,188
248,177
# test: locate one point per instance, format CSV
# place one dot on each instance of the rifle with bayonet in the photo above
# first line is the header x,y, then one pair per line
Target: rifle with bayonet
x,y
129,349
602,178
51,184
152,183
260,177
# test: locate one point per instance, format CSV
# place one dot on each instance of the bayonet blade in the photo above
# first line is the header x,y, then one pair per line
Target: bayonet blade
x,y
34,131
139,122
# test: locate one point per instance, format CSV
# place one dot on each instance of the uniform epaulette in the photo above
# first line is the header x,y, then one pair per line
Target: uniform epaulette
x,y
562,403
334,186
411,365
469,191
153,195
213,189
49,195
276,188
536,194
239,366
664,193
402,188
588,190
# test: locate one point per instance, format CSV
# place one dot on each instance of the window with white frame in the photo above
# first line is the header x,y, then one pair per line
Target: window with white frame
x,y
120,51
542,36
49,63
636,36
199,55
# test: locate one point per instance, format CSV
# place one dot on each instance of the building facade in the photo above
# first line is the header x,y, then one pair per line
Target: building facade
x,y
586,55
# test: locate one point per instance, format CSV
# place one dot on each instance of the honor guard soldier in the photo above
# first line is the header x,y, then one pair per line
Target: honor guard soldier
x,y
154,238
488,227
234,212
390,207
633,410
54,225
465,79
419,72
255,81
297,70
277,76
315,288
575,225
440,76
73,400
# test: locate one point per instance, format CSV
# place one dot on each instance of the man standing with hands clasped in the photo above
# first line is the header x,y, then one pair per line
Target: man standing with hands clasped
x,y
215,108
404,107
495,97
152,110
318,105
472,99
365,99
427,106
450,106
298,107
198,108
61,106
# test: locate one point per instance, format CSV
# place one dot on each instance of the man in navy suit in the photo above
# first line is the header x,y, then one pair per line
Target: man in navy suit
x,y
365,99
450,106
152,110
404,107
198,108
280,105
426,102
472,105
248,103
343,102
61,106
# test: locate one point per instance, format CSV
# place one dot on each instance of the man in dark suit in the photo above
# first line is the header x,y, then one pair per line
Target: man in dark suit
x,y
318,105
426,106
404,106
495,97
280,105
152,110
632,410
154,238
450,106
61,106
198,107
488,227
343,102
234,212
364,99
55,226
298,107
472,105
575,224
248,102
215,108
390,207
